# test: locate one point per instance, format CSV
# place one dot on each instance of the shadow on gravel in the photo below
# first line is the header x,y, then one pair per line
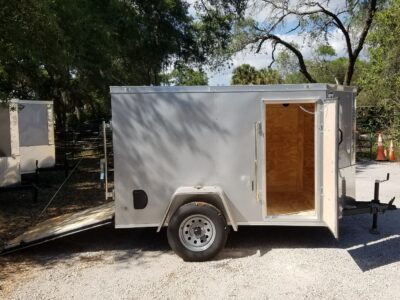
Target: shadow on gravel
x,y
89,246
368,251
371,251
362,166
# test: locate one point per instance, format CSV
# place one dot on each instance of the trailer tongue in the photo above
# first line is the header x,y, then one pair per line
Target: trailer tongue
x,y
374,207
62,226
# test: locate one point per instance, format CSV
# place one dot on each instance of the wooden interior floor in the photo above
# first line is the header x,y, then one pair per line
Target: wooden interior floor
x,y
286,203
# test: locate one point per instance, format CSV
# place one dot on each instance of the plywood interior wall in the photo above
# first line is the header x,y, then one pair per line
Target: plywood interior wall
x,y
290,158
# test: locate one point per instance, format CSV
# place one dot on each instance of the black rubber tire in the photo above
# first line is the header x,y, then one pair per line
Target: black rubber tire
x,y
221,231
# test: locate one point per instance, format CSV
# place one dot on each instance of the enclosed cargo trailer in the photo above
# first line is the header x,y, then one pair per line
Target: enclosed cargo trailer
x,y
200,160
197,159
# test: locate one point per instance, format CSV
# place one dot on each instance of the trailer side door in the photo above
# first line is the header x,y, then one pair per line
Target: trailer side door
x,y
329,155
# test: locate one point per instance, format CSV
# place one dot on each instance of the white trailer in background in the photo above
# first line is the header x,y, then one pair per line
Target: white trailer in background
x,y
9,144
26,136
36,135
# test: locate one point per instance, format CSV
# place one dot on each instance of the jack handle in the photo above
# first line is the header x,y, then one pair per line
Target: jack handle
x,y
384,180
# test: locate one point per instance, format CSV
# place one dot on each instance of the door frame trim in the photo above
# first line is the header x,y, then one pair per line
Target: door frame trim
x,y
263,160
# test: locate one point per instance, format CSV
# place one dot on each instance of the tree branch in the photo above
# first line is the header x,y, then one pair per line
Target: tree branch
x,y
273,55
278,21
294,28
340,26
367,25
368,22
277,40
338,23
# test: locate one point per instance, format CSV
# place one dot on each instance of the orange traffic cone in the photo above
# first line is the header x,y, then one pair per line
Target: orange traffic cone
x,y
391,152
380,154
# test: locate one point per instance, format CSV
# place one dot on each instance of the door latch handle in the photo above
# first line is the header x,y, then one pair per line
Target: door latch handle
x,y
340,136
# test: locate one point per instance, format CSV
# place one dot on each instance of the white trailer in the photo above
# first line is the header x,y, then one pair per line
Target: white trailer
x,y
201,159
26,138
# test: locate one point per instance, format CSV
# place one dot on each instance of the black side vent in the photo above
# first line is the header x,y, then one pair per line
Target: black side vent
x,y
139,199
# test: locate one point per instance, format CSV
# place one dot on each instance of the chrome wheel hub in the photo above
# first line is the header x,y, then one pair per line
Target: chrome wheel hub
x,y
197,233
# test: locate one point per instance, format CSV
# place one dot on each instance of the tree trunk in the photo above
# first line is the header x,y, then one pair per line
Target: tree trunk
x,y
350,71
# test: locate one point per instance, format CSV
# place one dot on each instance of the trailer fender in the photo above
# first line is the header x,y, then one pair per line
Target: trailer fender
x,y
213,195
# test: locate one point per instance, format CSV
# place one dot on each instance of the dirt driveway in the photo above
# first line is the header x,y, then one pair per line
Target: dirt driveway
x,y
258,263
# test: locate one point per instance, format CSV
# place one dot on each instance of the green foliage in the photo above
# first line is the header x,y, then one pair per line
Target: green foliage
x,y
261,25
213,31
288,67
72,51
325,50
244,74
184,75
381,78
247,74
267,76
332,70
377,118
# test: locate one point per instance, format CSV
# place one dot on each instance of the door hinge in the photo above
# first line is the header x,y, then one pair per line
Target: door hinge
x,y
258,196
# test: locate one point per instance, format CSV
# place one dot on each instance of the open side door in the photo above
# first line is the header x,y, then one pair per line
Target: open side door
x,y
329,170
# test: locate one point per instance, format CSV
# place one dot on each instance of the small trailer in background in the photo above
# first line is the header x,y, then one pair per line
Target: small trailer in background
x,y
26,138
36,135
9,144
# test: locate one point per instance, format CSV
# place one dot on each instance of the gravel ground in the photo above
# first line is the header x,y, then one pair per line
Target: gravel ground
x,y
258,262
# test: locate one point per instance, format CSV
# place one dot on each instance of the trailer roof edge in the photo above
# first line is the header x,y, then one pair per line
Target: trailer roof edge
x,y
33,101
227,89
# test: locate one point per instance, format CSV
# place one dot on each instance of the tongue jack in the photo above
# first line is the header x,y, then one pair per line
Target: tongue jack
x,y
377,207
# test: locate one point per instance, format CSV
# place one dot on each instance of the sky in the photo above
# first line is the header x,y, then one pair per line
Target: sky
x,y
222,77
262,60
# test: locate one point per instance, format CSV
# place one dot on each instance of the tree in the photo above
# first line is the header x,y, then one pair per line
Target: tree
x,y
313,20
244,74
72,51
324,66
184,75
267,76
381,79
24,26
287,66
247,74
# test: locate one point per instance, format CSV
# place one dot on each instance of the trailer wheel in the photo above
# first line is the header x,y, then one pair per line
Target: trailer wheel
x,y
197,232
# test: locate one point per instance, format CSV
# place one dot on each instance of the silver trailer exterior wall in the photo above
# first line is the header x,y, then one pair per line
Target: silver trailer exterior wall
x,y
36,134
165,138
347,148
9,144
